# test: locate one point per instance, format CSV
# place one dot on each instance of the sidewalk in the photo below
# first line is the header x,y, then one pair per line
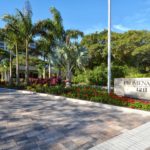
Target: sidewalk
x,y
136,139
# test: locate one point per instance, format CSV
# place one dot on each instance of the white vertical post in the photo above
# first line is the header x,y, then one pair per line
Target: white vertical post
x,y
109,47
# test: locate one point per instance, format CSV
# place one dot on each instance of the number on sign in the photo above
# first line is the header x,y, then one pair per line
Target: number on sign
x,y
141,89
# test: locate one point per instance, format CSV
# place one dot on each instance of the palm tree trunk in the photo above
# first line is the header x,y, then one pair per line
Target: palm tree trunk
x,y
5,75
17,66
49,70
10,69
59,71
2,76
68,78
27,64
44,70
44,73
67,40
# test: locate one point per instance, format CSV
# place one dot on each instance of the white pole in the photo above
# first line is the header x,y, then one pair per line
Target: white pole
x,y
109,47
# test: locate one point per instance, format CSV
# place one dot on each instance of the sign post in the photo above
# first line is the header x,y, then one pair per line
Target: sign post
x,y
109,48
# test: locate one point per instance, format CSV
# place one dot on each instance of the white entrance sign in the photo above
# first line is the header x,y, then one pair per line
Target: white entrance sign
x,y
133,87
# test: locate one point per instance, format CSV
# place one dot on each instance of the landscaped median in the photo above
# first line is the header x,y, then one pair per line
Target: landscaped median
x,y
91,94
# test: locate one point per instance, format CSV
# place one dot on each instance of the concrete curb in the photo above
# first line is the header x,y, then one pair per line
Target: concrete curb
x,y
84,102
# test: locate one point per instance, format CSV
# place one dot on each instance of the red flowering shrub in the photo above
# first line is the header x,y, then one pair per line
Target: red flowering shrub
x,y
49,81
133,103
92,94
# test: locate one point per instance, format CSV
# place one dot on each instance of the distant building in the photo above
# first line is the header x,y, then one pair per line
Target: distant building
x,y
33,73
3,45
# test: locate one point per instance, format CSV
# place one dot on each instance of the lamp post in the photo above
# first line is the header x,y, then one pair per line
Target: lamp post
x,y
109,48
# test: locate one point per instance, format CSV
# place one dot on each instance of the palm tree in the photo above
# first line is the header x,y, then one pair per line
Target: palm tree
x,y
10,63
23,29
27,34
53,34
4,57
66,50
12,42
71,56
4,67
42,51
57,21
72,35
7,38
12,37
28,31
3,54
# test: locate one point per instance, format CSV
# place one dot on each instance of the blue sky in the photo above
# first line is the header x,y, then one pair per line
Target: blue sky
x,y
88,15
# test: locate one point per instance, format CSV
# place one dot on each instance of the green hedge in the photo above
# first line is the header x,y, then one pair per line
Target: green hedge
x,y
98,76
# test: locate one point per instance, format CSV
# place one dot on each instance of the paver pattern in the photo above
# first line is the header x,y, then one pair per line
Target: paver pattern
x,y
29,121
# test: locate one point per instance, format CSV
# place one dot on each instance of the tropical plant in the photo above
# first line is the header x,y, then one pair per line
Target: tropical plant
x,y
71,56
4,68
29,31
12,41
54,33
7,51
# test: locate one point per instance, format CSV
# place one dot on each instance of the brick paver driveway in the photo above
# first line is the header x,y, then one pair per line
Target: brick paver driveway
x,y
28,121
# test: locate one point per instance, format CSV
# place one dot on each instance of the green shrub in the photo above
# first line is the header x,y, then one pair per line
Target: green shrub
x,y
80,78
140,105
134,73
56,90
118,72
39,88
98,76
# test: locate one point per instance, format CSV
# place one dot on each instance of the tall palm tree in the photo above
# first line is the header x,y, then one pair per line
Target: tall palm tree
x,y
57,22
12,42
4,57
53,34
12,37
28,31
66,51
4,67
24,30
43,51
27,34
10,47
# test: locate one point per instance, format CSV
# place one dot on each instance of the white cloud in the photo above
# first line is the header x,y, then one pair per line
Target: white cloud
x,y
120,27
140,19
93,29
